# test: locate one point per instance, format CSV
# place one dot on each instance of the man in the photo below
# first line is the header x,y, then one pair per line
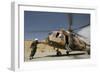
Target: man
x,y
33,48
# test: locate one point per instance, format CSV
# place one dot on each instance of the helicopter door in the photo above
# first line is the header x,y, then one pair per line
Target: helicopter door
x,y
66,38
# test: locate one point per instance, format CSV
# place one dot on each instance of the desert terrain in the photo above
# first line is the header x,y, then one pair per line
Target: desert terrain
x,y
46,52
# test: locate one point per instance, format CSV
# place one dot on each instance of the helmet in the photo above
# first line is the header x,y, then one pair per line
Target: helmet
x,y
36,39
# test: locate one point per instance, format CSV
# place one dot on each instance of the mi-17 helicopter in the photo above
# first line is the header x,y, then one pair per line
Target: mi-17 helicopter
x,y
67,39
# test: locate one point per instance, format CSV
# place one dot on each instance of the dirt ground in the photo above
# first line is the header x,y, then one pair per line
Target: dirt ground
x,y
46,52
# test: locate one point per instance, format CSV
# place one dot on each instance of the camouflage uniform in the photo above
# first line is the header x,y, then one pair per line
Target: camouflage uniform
x,y
33,49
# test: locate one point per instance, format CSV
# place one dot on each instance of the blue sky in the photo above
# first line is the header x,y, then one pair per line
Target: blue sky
x,y
39,24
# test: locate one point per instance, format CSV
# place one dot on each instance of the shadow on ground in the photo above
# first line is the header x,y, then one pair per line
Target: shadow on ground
x,y
65,55
76,54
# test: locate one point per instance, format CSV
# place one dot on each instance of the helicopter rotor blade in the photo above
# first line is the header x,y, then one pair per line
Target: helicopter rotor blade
x,y
81,27
79,35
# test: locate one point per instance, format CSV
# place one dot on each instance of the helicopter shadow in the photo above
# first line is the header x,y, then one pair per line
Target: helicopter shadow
x,y
75,54
63,55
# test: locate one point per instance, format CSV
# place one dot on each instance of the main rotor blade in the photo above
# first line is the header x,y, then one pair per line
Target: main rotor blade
x,y
81,27
79,35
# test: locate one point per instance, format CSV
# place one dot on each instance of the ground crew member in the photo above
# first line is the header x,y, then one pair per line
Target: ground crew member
x,y
33,48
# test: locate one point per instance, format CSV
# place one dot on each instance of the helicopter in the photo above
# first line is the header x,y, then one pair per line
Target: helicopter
x,y
67,40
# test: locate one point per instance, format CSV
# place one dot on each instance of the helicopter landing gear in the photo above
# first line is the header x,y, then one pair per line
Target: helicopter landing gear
x,y
67,52
68,49
58,53
88,52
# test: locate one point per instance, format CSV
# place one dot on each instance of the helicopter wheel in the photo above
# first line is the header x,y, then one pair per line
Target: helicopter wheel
x,y
58,52
88,52
67,52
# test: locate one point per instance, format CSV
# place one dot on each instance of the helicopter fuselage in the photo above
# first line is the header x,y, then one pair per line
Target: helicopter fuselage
x,y
74,42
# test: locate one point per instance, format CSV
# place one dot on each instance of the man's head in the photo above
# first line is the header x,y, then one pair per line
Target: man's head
x,y
36,39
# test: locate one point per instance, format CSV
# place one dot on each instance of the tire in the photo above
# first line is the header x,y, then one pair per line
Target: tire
x,y
67,52
88,52
58,53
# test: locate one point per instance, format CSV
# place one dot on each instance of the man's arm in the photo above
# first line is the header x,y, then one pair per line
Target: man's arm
x,y
41,42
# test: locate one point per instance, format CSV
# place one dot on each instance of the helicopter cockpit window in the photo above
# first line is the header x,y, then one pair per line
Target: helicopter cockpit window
x,y
57,34
61,36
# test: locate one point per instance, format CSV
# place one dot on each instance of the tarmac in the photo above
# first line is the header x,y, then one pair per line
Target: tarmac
x,y
72,55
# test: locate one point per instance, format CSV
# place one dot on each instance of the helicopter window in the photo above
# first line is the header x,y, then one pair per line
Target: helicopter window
x,y
57,34
61,36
